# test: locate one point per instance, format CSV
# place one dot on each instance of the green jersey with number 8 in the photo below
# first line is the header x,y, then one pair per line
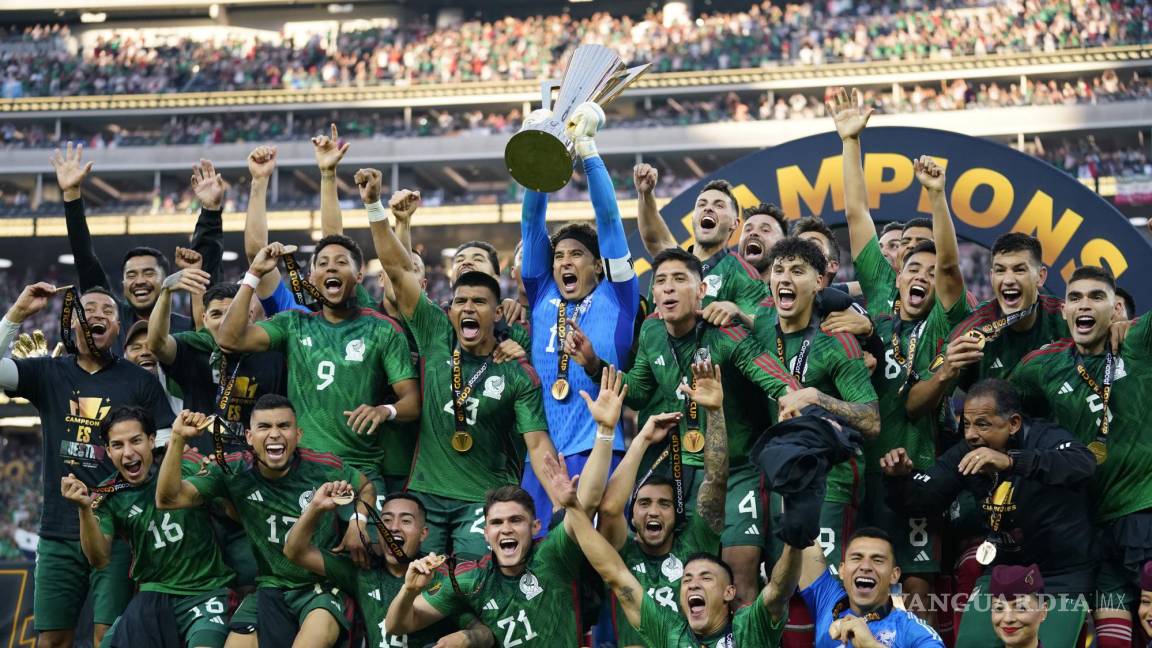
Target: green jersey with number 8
x,y
334,368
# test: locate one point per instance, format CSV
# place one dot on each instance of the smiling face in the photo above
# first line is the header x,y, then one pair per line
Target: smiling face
x,y
654,517
1089,307
714,219
759,234
706,591
677,291
1016,280
794,284
402,518
137,352
575,269
473,312
508,528
335,273
130,449
103,320
142,278
1017,621
868,572
890,248
917,285
985,427
472,259
273,436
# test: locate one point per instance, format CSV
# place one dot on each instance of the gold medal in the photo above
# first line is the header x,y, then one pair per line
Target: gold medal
x,y
1098,450
207,423
980,338
461,442
986,553
343,499
560,389
694,441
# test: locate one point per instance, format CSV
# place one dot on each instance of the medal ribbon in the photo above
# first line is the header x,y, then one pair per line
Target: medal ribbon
x,y
1103,391
802,354
562,333
220,423
906,363
460,391
390,543
72,305
675,452
692,409
875,615
101,493
303,289
992,330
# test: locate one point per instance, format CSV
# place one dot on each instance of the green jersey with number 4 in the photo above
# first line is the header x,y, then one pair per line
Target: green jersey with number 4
x,y
659,576
173,551
269,507
752,625
505,403
334,368
536,608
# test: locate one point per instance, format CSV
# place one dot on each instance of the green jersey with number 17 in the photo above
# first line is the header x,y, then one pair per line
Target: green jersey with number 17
x,y
335,368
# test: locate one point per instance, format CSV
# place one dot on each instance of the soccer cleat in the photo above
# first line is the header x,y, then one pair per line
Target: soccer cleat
x,y
582,126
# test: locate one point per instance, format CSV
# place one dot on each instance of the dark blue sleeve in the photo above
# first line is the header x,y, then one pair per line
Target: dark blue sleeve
x,y
280,300
537,250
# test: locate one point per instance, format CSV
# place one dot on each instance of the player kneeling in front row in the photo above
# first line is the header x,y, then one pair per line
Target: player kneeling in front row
x,y
269,488
177,563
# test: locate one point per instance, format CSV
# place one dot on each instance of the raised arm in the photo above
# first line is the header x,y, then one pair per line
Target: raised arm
x,y
208,236
329,151
922,492
654,231
172,491
97,547
949,279
709,394
261,164
409,611
160,340
851,117
609,229
1060,459
613,522
237,333
70,174
394,257
605,410
298,545
782,584
32,300
925,395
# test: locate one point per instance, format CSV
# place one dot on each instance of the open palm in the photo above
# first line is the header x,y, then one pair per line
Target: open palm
x,y
849,113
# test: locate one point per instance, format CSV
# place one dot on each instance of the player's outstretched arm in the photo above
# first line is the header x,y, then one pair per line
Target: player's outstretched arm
x,y
32,300
395,258
605,410
862,416
160,341
261,166
709,394
654,231
237,333
329,151
70,174
409,611
172,491
600,554
208,235
613,512
812,565
582,126
949,279
851,117
298,545
925,395
97,547
782,584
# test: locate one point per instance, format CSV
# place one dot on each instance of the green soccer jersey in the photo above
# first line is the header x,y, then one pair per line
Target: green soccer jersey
x,y
1002,354
269,507
876,276
334,368
751,376
729,278
174,551
374,590
752,625
659,576
536,608
917,436
505,403
834,366
1052,387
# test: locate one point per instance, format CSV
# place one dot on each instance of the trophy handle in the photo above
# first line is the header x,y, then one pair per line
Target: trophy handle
x,y
623,79
547,86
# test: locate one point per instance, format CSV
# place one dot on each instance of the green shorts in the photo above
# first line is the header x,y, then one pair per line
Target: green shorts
x,y
202,619
456,520
916,542
64,578
1061,628
744,507
297,605
243,619
837,523
236,550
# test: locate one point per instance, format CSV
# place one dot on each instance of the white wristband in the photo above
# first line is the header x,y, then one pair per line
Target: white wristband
x,y
391,411
359,517
606,437
376,212
250,280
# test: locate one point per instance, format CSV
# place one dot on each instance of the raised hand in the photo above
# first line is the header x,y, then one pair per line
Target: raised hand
x,y
930,174
329,150
366,418
32,300
645,176
189,424
849,113
556,475
420,572
191,280
657,426
847,321
896,463
266,259
188,258
709,391
75,491
262,162
403,204
984,460
208,185
720,313
70,170
577,345
371,183
605,410
513,312
963,351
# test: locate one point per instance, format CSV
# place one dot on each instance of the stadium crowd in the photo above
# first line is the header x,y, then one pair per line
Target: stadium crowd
x,y
512,49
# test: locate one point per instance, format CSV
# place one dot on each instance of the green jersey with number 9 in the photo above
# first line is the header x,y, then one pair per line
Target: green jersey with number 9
x,y
334,368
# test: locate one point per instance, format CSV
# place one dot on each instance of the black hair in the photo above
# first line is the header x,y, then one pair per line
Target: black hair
x,y
408,497
894,226
724,187
272,402
870,532
794,247
922,246
1095,273
816,224
1129,303
127,413
144,250
98,290
1003,392
770,210
681,255
656,479
493,255
223,290
715,560
478,278
582,232
510,493
1019,242
926,223
343,241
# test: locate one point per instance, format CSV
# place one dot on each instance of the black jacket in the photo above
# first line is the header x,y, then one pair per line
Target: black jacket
x,y
1052,521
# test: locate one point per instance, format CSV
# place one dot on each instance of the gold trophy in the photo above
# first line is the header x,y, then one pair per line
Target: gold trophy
x,y
540,156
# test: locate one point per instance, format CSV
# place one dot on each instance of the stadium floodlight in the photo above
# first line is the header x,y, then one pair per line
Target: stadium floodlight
x,y
66,259
341,8
90,17
5,264
229,255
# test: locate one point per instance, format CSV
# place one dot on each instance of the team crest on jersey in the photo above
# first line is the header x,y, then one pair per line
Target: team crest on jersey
x,y
435,588
886,637
354,352
703,354
713,283
305,498
1121,371
494,387
530,586
672,568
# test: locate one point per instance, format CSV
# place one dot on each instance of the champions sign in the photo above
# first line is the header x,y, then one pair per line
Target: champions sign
x,y
991,189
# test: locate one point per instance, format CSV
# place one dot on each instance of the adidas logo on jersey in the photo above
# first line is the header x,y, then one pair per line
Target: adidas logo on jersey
x,y
256,496
1065,388
640,568
659,361
218,619
997,364
753,530
491,605
375,594
922,557
306,341
134,511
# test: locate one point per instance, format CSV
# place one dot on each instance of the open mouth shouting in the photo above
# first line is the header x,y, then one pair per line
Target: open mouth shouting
x,y
753,248
668,305
785,298
275,451
141,292
697,605
469,329
568,282
1085,324
917,294
865,585
653,530
508,547
333,287
1012,298
133,469
708,222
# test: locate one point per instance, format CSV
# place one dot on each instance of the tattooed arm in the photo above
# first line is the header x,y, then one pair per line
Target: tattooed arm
x,y
864,416
709,394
